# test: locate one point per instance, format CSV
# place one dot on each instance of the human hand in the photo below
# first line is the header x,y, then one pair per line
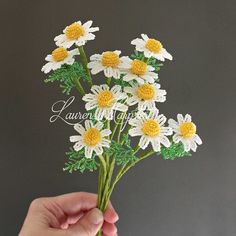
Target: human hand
x,y
69,215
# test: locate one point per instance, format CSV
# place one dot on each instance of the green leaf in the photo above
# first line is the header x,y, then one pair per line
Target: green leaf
x,y
137,55
176,150
78,161
123,153
121,82
153,62
65,76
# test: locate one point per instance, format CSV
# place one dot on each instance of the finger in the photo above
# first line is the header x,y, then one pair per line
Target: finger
x,y
109,229
73,203
110,214
71,220
89,224
110,235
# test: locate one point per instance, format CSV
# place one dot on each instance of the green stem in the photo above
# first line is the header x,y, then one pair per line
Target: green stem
x,y
114,130
146,59
84,61
126,131
78,86
120,126
136,149
108,81
125,168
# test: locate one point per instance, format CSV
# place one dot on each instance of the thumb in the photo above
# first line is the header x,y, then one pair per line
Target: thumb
x,y
89,224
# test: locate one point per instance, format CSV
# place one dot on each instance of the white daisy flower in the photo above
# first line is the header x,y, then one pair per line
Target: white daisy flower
x,y
151,129
151,48
105,100
185,132
58,57
76,33
91,138
146,95
110,62
138,70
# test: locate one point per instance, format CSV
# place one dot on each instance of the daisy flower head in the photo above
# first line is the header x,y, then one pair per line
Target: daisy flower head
x,y
76,33
58,57
110,62
138,70
105,101
91,138
151,129
146,95
151,48
185,132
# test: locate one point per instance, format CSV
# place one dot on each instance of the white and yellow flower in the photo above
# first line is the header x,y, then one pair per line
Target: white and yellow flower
x,y
105,100
151,129
91,138
76,33
151,48
138,70
58,57
185,132
110,62
146,95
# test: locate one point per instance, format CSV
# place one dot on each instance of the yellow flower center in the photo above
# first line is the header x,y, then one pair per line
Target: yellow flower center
x,y
92,137
146,91
110,59
59,54
153,45
151,128
74,31
138,67
187,129
105,99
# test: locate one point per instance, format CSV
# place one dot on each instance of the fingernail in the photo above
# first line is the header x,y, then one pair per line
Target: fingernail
x,y
96,216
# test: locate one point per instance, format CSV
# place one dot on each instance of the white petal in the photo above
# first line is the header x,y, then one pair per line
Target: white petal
x,y
186,144
156,144
99,125
79,128
105,132
165,141
88,124
188,118
75,138
88,152
78,146
135,132
193,146
166,54
197,139
98,150
176,138
143,142
180,118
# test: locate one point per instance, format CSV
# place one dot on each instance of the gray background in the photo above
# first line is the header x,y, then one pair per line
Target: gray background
x,y
195,196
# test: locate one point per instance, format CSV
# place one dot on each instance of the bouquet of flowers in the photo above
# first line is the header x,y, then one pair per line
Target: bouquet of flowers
x,y
125,105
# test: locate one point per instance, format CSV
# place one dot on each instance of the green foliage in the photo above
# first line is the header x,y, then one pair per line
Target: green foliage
x,y
153,62
66,74
137,55
78,161
121,82
176,150
122,152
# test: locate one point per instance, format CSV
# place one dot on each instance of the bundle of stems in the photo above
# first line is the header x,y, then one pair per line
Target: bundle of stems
x,y
108,176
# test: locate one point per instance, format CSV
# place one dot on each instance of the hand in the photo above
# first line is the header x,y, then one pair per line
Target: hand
x,y
69,215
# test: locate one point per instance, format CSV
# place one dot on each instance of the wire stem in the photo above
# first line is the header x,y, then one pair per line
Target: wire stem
x,y
84,61
78,86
